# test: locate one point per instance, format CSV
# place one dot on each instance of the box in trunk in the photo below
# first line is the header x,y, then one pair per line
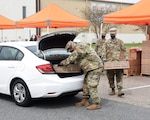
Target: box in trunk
x,y
116,65
71,68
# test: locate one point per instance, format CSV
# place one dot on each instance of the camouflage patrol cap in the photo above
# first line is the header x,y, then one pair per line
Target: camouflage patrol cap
x,y
113,30
69,45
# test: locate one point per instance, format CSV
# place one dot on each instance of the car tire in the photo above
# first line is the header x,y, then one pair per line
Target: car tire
x,y
20,93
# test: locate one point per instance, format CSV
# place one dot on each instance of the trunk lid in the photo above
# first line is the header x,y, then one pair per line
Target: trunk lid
x,y
56,40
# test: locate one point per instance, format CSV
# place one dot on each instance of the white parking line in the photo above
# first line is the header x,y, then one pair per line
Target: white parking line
x,y
136,87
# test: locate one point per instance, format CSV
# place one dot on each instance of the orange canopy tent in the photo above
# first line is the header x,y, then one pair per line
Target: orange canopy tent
x,y
52,17
138,14
6,23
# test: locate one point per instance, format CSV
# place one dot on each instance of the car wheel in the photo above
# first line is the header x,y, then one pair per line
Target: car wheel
x,y
20,93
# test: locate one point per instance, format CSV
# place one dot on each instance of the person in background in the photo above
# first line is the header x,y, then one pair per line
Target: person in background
x,y
114,50
91,64
33,38
38,37
100,45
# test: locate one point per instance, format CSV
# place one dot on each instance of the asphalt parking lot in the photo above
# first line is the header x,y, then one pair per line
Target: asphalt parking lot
x,y
136,89
133,106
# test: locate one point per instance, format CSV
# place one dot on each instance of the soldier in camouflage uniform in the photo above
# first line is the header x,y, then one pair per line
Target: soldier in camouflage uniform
x,y
100,46
92,66
114,48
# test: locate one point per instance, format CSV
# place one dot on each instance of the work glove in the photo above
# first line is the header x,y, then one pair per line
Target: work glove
x,y
60,64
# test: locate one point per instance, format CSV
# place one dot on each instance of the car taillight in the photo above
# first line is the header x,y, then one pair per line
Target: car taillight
x,y
46,68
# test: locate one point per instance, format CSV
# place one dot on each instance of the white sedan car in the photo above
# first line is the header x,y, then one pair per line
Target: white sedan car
x,y
24,75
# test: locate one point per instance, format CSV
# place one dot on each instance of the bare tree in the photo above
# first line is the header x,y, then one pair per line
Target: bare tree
x,y
95,16
145,29
142,28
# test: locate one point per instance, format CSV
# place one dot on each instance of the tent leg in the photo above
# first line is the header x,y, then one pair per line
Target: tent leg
x,y
47,29
146,32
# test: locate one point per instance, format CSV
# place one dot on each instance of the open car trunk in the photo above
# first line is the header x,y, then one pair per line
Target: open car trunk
x,y
56,40
52,48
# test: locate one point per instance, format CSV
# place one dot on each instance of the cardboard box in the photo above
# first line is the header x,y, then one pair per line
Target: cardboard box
x,y
145,56
145,61
116,65
71,68
146,43
135,62
134,54
145,69
133,71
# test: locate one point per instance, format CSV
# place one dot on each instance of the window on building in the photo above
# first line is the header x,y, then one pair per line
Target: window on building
x,y
24,12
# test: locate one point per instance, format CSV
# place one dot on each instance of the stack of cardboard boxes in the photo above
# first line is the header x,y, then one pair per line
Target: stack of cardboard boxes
x,y
145,58
134,62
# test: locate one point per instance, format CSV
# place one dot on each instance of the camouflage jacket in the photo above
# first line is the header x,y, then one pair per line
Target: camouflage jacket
x,y
85,57
114,50
100,47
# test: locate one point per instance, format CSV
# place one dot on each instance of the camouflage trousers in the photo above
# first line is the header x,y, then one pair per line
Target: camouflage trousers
x,y
90,85
115,74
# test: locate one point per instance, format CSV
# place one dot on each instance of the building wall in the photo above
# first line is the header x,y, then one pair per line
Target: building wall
x,y
12,9
73,6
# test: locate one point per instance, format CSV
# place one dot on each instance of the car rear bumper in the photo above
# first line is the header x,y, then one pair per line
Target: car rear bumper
x,y
53,86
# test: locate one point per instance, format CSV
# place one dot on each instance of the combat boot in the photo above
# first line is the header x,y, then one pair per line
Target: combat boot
x,y
84,102
112,92
120,93
94,106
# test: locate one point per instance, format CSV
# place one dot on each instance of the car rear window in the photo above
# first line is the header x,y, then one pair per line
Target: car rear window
x,y
33,49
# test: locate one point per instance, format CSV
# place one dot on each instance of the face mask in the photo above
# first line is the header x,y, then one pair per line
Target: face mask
x,y
112,36
103,36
